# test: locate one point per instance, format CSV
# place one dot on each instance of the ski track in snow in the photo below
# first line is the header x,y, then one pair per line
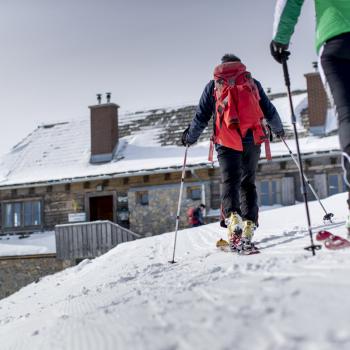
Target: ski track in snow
x,y
132,298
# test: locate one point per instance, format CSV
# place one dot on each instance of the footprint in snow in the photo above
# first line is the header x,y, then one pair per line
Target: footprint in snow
x,y
127,278
64,317
85,291
216,269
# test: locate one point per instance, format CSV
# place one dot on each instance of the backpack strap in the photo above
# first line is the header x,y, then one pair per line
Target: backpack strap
x,y
211,148
267,132
268,150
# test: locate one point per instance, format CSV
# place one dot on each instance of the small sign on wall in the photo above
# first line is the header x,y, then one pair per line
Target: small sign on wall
x,y
76,217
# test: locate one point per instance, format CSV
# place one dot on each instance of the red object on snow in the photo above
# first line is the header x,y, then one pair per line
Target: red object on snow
x,y
331,241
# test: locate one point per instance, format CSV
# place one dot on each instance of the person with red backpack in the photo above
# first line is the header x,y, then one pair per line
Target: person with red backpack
x,y
195,216
240,107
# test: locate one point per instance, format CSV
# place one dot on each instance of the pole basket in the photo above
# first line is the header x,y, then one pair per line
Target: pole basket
x,y
313,248
328,217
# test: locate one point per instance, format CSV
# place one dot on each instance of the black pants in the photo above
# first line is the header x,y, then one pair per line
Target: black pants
x,y
335,60
238,171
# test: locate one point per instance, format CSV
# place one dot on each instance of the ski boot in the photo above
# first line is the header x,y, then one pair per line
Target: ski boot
x,y
246,246
234,233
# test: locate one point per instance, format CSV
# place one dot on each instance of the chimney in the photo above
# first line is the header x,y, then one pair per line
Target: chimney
x,y
104,130
318,102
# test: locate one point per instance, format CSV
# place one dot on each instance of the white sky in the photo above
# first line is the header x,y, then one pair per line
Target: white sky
x,y
56,55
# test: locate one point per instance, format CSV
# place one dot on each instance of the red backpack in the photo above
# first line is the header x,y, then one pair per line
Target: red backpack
x,y
237,106
192,217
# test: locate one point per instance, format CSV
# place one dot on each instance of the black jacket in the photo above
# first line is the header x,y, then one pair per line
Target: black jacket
x,y
206,109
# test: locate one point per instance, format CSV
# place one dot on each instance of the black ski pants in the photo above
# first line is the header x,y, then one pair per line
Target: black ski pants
x,y
335,61
238,171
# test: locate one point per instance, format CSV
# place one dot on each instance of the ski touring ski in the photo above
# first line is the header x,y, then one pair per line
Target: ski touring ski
x,y
224,246
331,241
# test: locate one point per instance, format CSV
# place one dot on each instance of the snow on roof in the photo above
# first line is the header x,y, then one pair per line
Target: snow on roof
x,y
282,105
61,152
308,145
331,121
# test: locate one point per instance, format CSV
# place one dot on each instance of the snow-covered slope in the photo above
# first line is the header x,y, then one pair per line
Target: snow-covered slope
x,y
132,298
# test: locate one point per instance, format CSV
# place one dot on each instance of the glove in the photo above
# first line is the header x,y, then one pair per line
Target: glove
x,y
270,132
279,51
280,133
184,136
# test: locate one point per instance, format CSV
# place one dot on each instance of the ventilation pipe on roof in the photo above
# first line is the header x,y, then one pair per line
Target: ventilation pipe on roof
x,y
99,98
108,96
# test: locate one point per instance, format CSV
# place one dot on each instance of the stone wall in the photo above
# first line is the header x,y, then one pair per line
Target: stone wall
x,y
17,272
160,214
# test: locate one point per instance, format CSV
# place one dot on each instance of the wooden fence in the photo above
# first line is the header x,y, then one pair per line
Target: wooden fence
x,y
89,239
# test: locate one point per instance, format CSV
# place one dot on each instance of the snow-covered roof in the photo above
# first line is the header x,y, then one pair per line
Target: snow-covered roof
x,y
282,105
60,152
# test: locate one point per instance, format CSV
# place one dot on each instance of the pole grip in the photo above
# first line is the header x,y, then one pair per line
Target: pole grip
x,y
285,71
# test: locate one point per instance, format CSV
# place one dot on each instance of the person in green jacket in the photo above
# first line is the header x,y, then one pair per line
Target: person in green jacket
x,y
333,47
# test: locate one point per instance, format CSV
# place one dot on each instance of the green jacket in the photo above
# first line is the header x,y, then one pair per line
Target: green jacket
x,y
332,19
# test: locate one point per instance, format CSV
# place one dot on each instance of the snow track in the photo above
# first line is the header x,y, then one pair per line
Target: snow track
x,y
132,298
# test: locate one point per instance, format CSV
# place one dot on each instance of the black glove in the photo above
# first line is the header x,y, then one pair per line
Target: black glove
x,y
279,51
269,132
280,133
184,136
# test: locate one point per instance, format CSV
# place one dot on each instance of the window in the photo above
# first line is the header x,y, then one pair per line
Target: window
x,y
270,192
264,193
333,186
142,198
273,195
22,214
310,195
32,215
194,193
336,184
345,188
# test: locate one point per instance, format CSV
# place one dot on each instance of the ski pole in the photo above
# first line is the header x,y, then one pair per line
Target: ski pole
x,y
312,247
327,216
179,204
345,156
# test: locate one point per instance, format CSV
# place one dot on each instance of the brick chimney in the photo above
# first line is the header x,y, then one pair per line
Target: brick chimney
x,y
104,130
318,102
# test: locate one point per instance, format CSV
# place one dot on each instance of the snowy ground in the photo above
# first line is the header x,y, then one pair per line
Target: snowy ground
x,y
37,243
132,298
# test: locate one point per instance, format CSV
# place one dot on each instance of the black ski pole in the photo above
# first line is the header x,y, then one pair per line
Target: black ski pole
x,y
327,216
179,204
312,247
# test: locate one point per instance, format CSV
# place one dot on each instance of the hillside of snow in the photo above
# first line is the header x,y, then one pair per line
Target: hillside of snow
x,y
132,298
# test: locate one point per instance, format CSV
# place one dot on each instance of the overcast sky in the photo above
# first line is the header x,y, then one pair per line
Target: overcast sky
x,y
56,55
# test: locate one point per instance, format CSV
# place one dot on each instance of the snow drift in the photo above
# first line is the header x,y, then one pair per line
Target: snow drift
x,y
132,298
